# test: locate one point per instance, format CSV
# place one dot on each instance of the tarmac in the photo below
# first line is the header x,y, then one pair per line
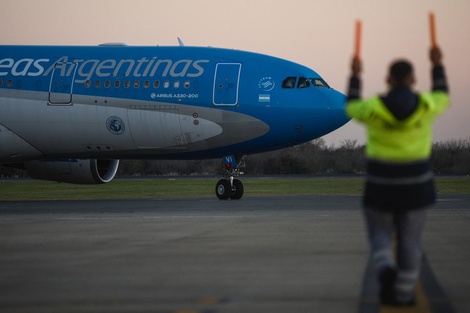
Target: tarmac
x,y
257,254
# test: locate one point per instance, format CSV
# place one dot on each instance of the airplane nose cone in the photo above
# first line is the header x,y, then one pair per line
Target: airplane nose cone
x,y
337,106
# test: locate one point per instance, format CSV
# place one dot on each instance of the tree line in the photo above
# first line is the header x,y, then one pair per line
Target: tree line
x,y
312,158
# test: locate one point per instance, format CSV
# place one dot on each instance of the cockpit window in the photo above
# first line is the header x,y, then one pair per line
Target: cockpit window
x,y
289,82
318,82
303,82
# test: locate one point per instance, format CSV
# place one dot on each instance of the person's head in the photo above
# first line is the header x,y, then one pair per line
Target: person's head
x,y
401,74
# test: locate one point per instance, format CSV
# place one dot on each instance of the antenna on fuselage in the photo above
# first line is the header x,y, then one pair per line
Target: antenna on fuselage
x,y
180,42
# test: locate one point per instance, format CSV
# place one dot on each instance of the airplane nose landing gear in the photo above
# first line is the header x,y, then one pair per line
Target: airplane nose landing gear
x,y
230,187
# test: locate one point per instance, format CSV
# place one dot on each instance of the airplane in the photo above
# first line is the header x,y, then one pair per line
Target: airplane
x,y
70,113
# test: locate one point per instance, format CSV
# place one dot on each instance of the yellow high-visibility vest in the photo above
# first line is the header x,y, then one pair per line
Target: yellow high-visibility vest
x,y
392,140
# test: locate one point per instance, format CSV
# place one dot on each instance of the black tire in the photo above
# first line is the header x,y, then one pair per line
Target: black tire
x,y
237,190
223,189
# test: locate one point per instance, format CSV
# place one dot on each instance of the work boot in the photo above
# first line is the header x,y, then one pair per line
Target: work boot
x,y
387,281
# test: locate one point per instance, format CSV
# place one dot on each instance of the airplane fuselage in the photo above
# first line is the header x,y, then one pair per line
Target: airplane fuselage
x,y
155,102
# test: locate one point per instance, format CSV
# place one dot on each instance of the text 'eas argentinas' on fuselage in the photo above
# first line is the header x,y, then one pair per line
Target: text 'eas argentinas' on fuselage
x,y
84,69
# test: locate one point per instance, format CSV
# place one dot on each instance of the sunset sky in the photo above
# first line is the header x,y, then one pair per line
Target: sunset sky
x,y
317,34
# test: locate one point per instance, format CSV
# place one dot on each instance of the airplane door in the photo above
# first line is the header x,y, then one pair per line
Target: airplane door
x,y
226,82
61,86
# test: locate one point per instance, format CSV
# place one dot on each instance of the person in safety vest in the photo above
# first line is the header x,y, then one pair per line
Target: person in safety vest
x,y
399,184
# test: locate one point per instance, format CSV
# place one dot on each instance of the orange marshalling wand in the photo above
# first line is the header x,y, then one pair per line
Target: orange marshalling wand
x,y
357,40
432,28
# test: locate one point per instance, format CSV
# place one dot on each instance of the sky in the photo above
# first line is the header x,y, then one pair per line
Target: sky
x,y
316,33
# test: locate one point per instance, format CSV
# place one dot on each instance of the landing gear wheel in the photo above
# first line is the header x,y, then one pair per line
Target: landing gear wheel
x,y
237,189
231,187
223,189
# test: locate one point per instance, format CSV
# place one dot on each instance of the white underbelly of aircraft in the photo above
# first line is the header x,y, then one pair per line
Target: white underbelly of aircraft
x,y
164,129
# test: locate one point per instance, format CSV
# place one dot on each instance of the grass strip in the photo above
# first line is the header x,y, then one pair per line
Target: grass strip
x,y
200,187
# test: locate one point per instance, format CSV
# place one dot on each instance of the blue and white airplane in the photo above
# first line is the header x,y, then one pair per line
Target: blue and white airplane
x,y
69,113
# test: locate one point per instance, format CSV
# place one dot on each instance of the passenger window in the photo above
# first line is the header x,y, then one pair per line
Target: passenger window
x,y
107,83
146,84
87,84
289,82
166,84
97,83
176,84
117,83
1,82
127,84
303,83
187,84
136,83
156,84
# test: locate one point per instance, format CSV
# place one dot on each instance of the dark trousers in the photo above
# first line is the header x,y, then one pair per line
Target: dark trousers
x,y
408,227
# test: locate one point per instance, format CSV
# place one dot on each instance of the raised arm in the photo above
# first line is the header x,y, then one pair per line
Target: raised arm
x,y
354,90
439,81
